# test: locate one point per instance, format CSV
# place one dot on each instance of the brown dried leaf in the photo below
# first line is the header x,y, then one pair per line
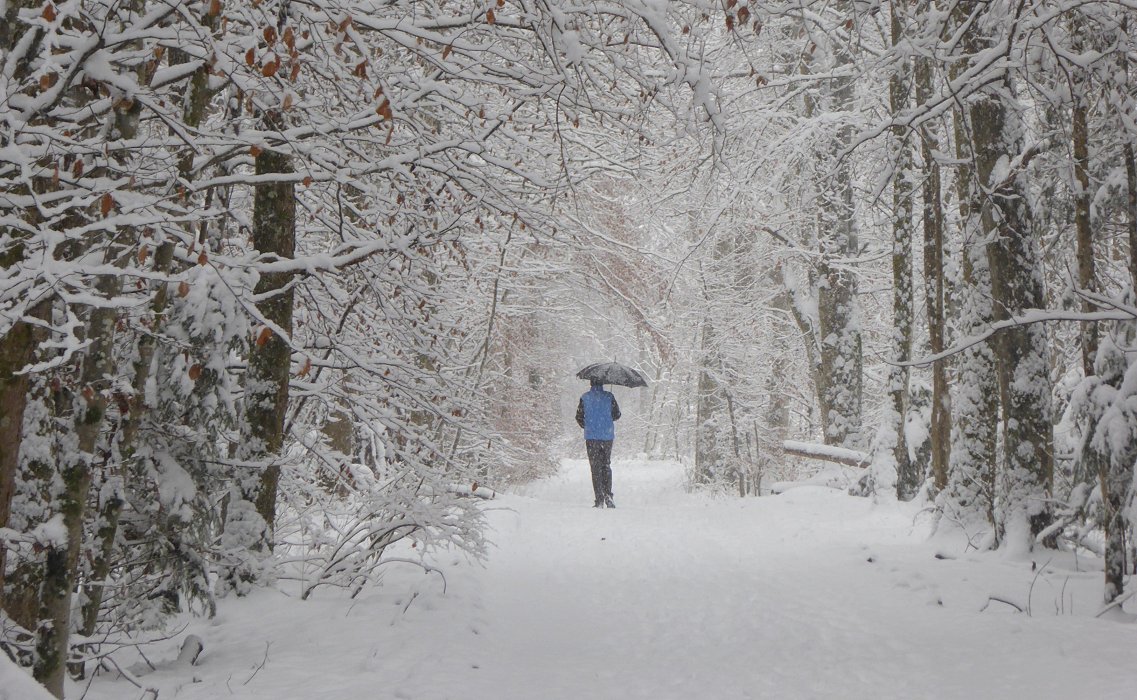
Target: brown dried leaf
x,y
270,69
183,289
143,254
384,109
106,204
490,19
194,372
214,8
264,336
202,258
255,151
307,181
49,12
270,35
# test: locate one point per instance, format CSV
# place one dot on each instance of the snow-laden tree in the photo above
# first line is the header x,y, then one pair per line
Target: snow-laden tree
x,y
241,227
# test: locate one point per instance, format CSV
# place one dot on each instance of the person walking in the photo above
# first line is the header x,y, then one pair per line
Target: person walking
x,y
597,412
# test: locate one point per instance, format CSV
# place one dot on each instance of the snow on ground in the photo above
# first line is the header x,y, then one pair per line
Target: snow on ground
x,y
15,684
809,594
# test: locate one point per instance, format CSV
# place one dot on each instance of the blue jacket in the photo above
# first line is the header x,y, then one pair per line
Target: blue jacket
x,y
597,412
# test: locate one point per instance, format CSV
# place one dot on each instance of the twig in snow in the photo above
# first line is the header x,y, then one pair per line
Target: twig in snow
x,y
408,605
152,666
1030,593
258,668
87,687
106,662
997,599
148,692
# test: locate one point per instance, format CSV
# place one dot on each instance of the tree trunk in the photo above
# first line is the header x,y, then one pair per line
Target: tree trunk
x,y
841,354
933,227
266,381
127,125
972,459
1126,104
1131,205
62,569
1022,360
709,406
16,349
908,474
1082,227
17,345
1116,476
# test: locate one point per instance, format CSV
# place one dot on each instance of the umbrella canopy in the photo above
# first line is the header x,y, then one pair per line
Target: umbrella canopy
x,y
612,373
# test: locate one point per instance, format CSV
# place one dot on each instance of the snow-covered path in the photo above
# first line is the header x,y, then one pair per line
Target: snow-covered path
x,y
811,594
676,596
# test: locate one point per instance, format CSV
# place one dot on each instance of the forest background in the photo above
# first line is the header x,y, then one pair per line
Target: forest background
x,y
285,282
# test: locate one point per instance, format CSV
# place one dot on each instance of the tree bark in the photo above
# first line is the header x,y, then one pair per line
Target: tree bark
x,y
908,474
127,123
16,348
17,345
972,465
62,568
1116,475
1022,360
1131,205
841,356
267,378
709,405
1079,128
933,229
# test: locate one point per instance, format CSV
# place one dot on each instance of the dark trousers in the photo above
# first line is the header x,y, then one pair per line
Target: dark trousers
x,y
600,459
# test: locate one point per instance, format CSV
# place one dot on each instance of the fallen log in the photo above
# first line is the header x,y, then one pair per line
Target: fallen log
x,y
828,453
475,489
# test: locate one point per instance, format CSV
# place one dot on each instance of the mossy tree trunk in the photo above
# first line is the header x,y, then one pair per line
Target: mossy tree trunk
x,y
269,359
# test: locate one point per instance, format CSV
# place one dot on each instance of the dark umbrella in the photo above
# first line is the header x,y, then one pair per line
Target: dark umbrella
x,y
612,373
